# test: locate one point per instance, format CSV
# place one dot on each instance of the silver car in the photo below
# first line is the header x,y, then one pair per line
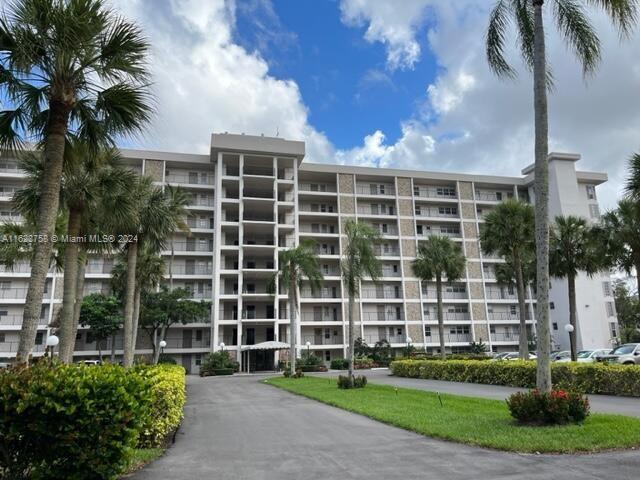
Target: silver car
x,y
588,356
627,354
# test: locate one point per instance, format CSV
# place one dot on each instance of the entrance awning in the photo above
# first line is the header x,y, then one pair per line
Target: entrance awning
x,y
266,346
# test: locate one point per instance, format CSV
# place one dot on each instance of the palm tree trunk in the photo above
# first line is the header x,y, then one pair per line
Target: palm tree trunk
x,y
522,309
136,317
113,348
45,225
293,326
443,354
571,283
541,184
171,266
352,355
82,267
71,267
129,304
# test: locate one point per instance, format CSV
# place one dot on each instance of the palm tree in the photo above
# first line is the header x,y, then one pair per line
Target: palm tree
x,y
573,248
358,261
573,24
295,265
632,187
178,200
68,68
508,231
439,257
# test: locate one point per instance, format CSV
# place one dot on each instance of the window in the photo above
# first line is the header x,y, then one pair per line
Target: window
x,y
606,289
594,211
552,306
513,309
427,331
418,211
327,355
399,331
39,338
611,310
2,338
3,313
198,359
613,328
198,335
591,192
555,326
419,229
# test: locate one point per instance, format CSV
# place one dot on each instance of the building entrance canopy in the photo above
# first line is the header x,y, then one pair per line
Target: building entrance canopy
x,y
266,346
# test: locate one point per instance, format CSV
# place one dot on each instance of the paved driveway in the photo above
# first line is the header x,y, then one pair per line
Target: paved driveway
x,y
237,428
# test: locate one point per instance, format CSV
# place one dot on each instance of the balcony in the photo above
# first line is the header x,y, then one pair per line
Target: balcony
x,y
432,232
390,272
253,315
202,201
382,317
317,187
375,210
505,337
432,316
227,315
386,251
231,171
190,178
190,270
260,171
15,293
386,230
254,193
450,338
329,250
439,212
435,192
259,240
257,217
501,294
431,294
315,316
317,208
201,294
192,246
99,268
200,223
382,293
320,293
18,268
373,339
17,320
10,167
12,347
321,340
177,343
492,196
375,189
320,229
508,316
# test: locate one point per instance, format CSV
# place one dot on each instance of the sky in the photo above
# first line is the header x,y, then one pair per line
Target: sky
x,y
385,83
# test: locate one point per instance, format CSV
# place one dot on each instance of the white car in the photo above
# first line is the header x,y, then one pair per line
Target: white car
x,y
588,356
512,356
89,362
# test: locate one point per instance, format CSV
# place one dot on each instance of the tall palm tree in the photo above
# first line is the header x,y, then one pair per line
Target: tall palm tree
x,y
572,249
295,265
508,230
440,258
358,261
573,24
632,187
68,67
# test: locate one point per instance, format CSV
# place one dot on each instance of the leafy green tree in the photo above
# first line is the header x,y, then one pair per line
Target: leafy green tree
x,y
358,262
478,347
160,310
439,258
573,248
627,311
296,265
508,231
103,315
572,22
69,68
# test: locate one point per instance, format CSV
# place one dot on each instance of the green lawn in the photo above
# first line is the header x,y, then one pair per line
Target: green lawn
x,y
474,421
142,456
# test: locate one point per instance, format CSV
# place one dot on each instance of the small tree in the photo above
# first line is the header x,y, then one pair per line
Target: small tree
x,y
478,347
102,314
439,258
627,311
160,310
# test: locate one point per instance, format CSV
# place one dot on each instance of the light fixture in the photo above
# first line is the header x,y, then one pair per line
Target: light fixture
x,y
409,340
568,328
52,341
163,344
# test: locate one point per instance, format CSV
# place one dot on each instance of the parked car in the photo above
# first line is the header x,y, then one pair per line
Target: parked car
x,y
557,356
588,356
512,356
89,362
627,354
4,365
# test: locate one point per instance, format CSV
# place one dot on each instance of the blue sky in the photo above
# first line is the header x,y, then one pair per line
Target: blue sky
x,y
387,83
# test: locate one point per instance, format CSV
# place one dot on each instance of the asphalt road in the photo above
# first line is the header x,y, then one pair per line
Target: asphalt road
x,y
238,428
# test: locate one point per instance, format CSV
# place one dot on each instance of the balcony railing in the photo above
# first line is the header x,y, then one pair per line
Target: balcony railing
x,y
507,316
188,343
434,192
257,217
12,347
232,171
505,337
321,340
256,170
253,193
320,293
17,320
440,233
192,246
431,294
15,293
373,339
368,210
8,191
185,178
382,317
383,251
433,316
501,294
317,187
253,315
202,201
315,317
190,270
375,190
227,314
199,223
201,294
286,242
389,272
17,268
390,230
435,212
10,167
319,229
99,268
388,293
257,240
305,207
450,338
493,196
330,250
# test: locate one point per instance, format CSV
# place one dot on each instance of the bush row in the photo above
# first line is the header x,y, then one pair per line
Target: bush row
x,y
553,408
83,422
580,377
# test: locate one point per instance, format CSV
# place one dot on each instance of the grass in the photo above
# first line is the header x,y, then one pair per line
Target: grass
x,y
470,420
142,456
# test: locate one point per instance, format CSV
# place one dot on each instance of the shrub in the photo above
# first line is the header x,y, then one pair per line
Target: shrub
x,y
364,362
168,392
345,382
70,421
298,374
217,361
554,408
597,378
167,359
339,364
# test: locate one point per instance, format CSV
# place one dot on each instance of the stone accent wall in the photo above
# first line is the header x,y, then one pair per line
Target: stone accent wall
x,y
412,290
416,333
347,205
154,169
404,187
345,183
479,313
472,250
413,311
476,291
470,230
482,333
407,268
59,288
405,207
407,228
474,269
465,190
408,249
468,211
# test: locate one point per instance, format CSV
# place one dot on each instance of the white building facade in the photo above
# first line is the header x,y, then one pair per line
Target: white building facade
x,y
255,196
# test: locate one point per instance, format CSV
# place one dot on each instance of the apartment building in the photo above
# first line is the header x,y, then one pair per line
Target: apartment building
x,y
254,196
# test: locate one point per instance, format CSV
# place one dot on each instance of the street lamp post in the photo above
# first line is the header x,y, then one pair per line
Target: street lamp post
x,y
51,343
572,340
308,347
222,346
162,345
409,342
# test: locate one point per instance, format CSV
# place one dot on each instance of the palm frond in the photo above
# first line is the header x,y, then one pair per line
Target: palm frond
x,y
574,25
623,13
499,20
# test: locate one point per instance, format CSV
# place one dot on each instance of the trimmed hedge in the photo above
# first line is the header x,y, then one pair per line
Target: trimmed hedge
x,y
597,378
83,422
168,396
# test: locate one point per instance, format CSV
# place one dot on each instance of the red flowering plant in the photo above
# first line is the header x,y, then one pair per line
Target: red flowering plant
x,y
553,408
